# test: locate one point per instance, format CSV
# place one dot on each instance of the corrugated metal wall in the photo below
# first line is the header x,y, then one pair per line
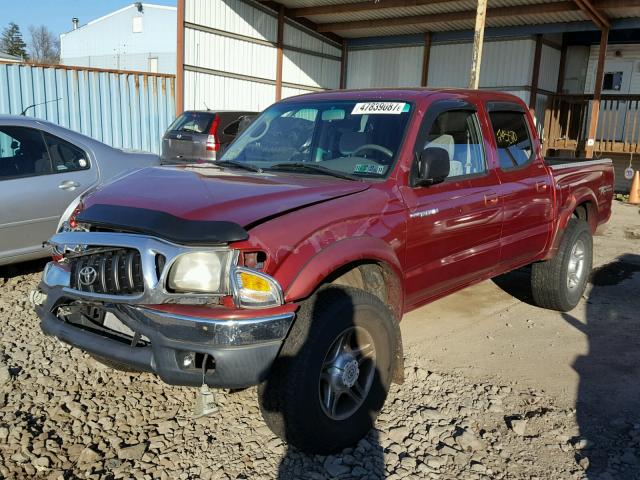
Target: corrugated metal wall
x,y
385,67
124,110
230,56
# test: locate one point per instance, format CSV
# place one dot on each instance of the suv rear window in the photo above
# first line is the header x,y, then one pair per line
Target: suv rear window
x,y
194,122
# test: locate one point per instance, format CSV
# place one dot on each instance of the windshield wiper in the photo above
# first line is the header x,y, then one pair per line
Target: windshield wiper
x,y
232,163
312,167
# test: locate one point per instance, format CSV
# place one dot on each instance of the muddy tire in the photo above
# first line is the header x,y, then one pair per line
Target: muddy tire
x,y
332,376
558,283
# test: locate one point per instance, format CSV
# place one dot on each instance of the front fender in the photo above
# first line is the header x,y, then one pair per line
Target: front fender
x,y
300,279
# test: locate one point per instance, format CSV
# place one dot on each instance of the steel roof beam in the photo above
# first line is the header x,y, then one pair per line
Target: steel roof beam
x,y
362,7
520,10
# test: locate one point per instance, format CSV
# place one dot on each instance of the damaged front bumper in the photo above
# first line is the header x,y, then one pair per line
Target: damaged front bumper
x,y
235,347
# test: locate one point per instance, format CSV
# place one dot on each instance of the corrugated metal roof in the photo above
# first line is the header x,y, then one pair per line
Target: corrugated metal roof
x,y
565,11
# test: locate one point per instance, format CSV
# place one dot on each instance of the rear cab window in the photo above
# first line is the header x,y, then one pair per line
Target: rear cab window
x,y
512,137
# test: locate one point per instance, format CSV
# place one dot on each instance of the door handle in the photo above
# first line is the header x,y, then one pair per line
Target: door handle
x,y
541,187
68,185
491,199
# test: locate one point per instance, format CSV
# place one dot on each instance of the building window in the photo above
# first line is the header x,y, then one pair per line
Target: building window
x,y
137,24
612,81
153,64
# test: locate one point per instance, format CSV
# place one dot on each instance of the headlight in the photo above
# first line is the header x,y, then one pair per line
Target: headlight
x,y
199,272
252,289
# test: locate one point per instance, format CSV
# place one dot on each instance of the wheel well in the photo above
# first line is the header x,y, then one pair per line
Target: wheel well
x,y
381,281
584,211
374,278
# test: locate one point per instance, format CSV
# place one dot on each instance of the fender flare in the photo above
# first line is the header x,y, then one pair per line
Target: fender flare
x,y
565,212
315,270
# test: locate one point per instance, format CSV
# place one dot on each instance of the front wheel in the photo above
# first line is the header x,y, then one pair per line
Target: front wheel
x,y
558,283
331,379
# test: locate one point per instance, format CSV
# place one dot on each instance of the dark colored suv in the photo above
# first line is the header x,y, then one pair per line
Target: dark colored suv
x,y
199,135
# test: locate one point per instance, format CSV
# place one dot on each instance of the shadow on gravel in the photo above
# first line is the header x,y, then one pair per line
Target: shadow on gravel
x,y
517,283
24,268
365,458
609,390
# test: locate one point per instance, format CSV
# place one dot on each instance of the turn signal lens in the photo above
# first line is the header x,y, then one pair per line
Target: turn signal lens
x,y
253,282
253,289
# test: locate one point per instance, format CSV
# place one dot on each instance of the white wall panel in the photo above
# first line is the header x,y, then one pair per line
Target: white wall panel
x,y
575,71
628,53
504,63
217,52
297,37
204,90
310,70
292,92
233,16
549,68
385,67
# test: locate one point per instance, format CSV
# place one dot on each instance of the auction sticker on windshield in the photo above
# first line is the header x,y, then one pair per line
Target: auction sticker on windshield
x,y
373,108
363,168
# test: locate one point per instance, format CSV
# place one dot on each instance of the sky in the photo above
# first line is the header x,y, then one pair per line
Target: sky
x,y
57,14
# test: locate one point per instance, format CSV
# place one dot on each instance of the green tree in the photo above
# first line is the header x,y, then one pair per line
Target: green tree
x,y
12,43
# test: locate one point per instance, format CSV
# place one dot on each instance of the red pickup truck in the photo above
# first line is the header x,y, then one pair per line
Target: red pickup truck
x,y
289,263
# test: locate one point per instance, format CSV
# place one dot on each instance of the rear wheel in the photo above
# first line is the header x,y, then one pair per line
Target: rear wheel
x,y
331,379
558,283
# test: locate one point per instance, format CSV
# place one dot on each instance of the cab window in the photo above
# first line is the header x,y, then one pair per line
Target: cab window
x,y
458,133
513,140
22,153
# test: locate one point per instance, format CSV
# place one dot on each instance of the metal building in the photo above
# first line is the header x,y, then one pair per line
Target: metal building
x,y
140,37
554,54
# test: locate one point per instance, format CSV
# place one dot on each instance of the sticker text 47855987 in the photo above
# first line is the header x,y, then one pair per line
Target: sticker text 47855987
x,y
372,108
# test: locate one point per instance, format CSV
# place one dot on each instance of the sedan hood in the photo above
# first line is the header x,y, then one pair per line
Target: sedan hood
x,y
210,193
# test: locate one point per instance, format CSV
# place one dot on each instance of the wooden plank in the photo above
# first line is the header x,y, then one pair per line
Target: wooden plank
x,y
180,59
597,93
596,16
478,42
279,52
533,95
425,59
343,65
520,10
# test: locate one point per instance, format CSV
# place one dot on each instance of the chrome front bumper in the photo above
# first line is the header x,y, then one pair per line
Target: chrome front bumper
x,y
242,349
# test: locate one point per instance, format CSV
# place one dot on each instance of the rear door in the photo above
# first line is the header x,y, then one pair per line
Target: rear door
x,y
40,174
525,185
453,227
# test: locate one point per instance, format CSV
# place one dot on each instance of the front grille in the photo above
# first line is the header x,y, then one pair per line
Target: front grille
x,y
112,271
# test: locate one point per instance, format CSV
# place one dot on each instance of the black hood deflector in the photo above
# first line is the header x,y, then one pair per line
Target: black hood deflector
x,y
162,225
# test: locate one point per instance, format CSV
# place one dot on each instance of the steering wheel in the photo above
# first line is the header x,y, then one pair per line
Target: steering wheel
x,y
373,146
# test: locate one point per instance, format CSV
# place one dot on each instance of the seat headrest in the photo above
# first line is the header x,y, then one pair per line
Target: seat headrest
x,y
351,141
445,142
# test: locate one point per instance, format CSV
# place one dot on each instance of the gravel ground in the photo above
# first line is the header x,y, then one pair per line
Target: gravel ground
x,y
64,415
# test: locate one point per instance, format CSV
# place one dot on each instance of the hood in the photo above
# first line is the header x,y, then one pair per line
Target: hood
x,y
210,193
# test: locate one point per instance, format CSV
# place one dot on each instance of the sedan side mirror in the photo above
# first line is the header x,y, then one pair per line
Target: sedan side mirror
x,y
433,166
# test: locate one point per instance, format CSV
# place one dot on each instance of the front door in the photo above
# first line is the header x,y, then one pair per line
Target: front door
x,y
453,227
40,175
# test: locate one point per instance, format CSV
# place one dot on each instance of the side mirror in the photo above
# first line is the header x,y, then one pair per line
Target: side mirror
x,y
433,166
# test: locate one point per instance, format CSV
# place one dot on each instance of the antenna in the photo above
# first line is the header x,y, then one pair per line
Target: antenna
x,y
24,112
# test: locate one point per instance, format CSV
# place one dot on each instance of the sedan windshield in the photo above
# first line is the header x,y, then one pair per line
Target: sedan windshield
x,y
352,139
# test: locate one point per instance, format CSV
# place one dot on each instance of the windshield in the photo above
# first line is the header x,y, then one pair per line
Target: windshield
x,y
195,122
358,139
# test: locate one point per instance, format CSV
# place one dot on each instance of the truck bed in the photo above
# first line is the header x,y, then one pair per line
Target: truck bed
x,y
558,163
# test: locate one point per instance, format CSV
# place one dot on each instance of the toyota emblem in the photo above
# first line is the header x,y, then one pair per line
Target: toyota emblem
x,y
87,276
